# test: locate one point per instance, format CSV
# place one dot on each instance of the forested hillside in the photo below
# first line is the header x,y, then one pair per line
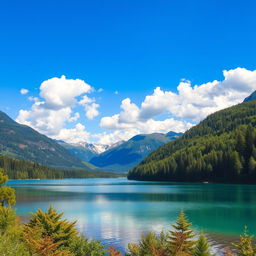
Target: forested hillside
x,y
219,149
20,169
22,142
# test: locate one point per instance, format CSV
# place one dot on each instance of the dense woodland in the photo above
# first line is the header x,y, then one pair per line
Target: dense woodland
x,y
222,148
20,169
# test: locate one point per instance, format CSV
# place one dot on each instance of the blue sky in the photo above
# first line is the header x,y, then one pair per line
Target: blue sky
x,y
131,47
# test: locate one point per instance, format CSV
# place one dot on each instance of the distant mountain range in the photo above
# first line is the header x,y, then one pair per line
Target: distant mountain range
x,y
22,142
127,154
120,156
86,151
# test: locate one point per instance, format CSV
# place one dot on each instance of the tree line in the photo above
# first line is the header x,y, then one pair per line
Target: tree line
x,y
21,169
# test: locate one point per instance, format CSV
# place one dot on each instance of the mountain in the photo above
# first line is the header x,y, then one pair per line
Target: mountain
x,y
78,150
86,151
95,148
251,97
22,142
221,148
126,155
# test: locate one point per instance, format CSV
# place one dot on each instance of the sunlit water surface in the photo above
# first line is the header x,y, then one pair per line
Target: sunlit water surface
x,y
117,211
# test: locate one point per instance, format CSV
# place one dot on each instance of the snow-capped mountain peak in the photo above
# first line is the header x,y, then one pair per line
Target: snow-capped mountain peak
x,y
96,148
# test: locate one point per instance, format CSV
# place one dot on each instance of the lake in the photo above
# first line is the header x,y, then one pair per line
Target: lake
x,y
117,211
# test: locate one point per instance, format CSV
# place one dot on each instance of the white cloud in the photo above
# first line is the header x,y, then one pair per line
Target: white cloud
x,y
35,99
92,110
196,102
161,111
24,91
62,92
90,107
50,113
186,107
73,135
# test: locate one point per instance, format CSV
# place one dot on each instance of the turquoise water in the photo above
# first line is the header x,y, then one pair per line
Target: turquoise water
x,y
117,211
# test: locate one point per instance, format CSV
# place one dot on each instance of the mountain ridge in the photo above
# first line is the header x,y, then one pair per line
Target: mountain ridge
x,y
126,155
22,142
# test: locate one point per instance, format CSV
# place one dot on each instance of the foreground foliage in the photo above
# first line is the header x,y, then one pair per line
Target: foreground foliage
x,y
47,234
7,194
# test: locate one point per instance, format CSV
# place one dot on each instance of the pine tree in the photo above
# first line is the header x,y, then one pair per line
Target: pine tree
x,y
7,219
245,246
7,194
181,239
237,165
52,225
202,246
252,165
43,245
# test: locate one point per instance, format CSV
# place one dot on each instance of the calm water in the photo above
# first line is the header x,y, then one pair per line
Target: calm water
x,y
117,211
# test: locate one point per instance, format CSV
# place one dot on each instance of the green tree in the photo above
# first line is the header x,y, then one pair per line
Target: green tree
x,y
252,165
202,246
245,246
12,244
149,245
7,219
181,238
51,225
237,165
43,245
7,194
81,246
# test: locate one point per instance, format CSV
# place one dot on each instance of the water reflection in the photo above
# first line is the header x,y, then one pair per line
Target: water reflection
x,y
117,211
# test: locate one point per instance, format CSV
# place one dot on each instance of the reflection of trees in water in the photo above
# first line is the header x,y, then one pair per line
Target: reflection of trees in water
x,y
212,207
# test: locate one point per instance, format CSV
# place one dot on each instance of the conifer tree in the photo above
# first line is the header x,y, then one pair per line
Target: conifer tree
x,y
43,245
181,239
202,246
52,225
245,246
7,219
7,194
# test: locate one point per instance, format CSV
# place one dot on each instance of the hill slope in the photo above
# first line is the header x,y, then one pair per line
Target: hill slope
x,y
251,97
221,149
22,142
128,154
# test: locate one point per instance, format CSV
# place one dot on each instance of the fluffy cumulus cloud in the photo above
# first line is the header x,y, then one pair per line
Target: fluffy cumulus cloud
x,y
51,112
196,102
55,108
90,107
61,92
74,135
24,91
186,107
